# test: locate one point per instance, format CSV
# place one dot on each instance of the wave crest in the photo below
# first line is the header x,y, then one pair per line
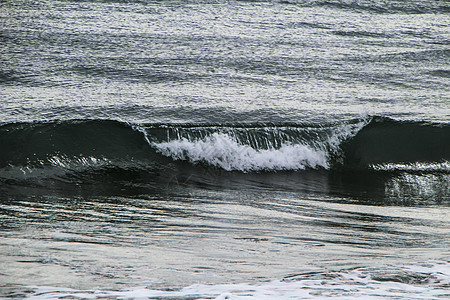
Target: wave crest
x,y
221,150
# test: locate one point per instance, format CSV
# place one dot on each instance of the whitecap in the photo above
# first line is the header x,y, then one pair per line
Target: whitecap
x,y
221,150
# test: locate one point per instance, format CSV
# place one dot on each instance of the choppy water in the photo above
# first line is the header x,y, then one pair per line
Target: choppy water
x,y
240,149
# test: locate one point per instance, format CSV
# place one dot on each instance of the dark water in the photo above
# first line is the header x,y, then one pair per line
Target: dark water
x,y
282,148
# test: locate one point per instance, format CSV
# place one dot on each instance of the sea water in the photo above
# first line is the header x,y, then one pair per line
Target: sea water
x,y
224,149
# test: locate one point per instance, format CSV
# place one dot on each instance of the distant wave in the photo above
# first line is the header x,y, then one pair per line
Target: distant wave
x,y
411,7
377,144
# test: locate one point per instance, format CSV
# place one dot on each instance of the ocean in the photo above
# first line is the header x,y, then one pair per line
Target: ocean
x,y
215,149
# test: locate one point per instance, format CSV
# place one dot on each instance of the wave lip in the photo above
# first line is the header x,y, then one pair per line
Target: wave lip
x,y
221,150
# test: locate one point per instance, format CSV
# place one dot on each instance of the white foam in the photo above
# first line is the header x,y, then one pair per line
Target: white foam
x,y
221,150
427,281
443,166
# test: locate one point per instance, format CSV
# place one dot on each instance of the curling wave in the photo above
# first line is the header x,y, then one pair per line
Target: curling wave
x,y
376,144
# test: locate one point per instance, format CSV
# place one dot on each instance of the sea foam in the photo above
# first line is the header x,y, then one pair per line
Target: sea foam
x,y
221,150
275,149
428,280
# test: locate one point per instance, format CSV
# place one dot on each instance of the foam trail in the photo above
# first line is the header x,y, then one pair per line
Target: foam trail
x,y
221,150
416,281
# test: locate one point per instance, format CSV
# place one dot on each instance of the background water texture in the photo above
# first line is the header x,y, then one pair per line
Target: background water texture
x,y
240,149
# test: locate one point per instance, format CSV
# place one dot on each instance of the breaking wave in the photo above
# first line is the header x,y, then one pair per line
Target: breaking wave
x,y
376,159
376,144
223,151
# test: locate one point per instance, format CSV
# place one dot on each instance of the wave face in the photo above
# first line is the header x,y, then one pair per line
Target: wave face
x,y
374,143
388,142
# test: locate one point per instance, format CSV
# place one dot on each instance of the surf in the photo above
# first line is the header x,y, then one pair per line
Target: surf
x,y
375,143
